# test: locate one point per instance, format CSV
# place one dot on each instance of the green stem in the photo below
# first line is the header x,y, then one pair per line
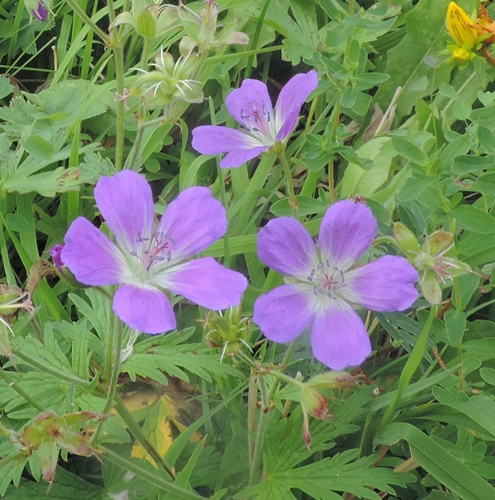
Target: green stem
x,y
223,199
131,159
290,184
116,44
86,19
252,403
109,354
260,435
119,76
112,366
336,121
265,402
145,53
116,349
146,475
13,385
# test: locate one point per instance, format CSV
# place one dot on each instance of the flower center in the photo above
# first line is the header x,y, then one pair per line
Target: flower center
x,y
327,279
154,249
258,120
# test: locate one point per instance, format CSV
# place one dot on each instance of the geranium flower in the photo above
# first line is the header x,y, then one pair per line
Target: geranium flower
x,y
323,284
251,106
146,261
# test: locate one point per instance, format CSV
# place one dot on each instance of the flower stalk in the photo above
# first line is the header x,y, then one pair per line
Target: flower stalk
x,y
293,203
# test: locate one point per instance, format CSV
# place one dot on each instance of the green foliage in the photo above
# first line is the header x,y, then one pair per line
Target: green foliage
x,y
392,123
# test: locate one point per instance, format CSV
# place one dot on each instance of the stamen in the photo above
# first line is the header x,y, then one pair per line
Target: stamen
x,y
327,279
154,249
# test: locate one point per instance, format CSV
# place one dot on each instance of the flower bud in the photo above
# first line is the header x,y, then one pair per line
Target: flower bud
x,y
430,287
406,239
146,24
5,349
187,45
228,331
439,242
314,403
332,380
49,433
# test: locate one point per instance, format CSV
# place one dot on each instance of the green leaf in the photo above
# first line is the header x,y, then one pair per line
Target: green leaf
x,y
409,150
484,117
37,146
466,164
473,219
426,35
6,88
478,408
307,206
452,473
64,486
455,324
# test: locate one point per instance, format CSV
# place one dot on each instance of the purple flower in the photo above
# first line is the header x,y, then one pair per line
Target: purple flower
x,y
251,107
146,261
56,253
41,12
323,284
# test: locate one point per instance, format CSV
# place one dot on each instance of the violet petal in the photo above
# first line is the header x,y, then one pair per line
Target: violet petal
x,y
207,283
192,222
238,157
251,96
126,203
41,12
144,309
346,232
240,146
291,99
387,284
215,139
339,338
90,255
56,252
283,313
285,245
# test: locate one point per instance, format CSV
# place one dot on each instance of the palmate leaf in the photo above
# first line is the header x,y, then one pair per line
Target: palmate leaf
x,y
158,355
285,451
323,479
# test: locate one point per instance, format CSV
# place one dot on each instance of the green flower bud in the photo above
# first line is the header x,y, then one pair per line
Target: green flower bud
x,y
146,24
406,239
439,242
227,331
430,287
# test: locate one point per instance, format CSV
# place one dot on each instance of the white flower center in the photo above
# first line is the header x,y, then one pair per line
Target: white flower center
x,y
258,119
148,258
327,280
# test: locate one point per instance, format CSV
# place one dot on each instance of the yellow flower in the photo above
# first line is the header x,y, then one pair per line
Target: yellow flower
x,y
460,27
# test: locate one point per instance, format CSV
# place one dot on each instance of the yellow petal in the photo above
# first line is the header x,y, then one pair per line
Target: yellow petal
x,y
458,24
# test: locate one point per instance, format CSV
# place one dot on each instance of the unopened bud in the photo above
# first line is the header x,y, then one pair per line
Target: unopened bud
x,y
406,239
228,331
